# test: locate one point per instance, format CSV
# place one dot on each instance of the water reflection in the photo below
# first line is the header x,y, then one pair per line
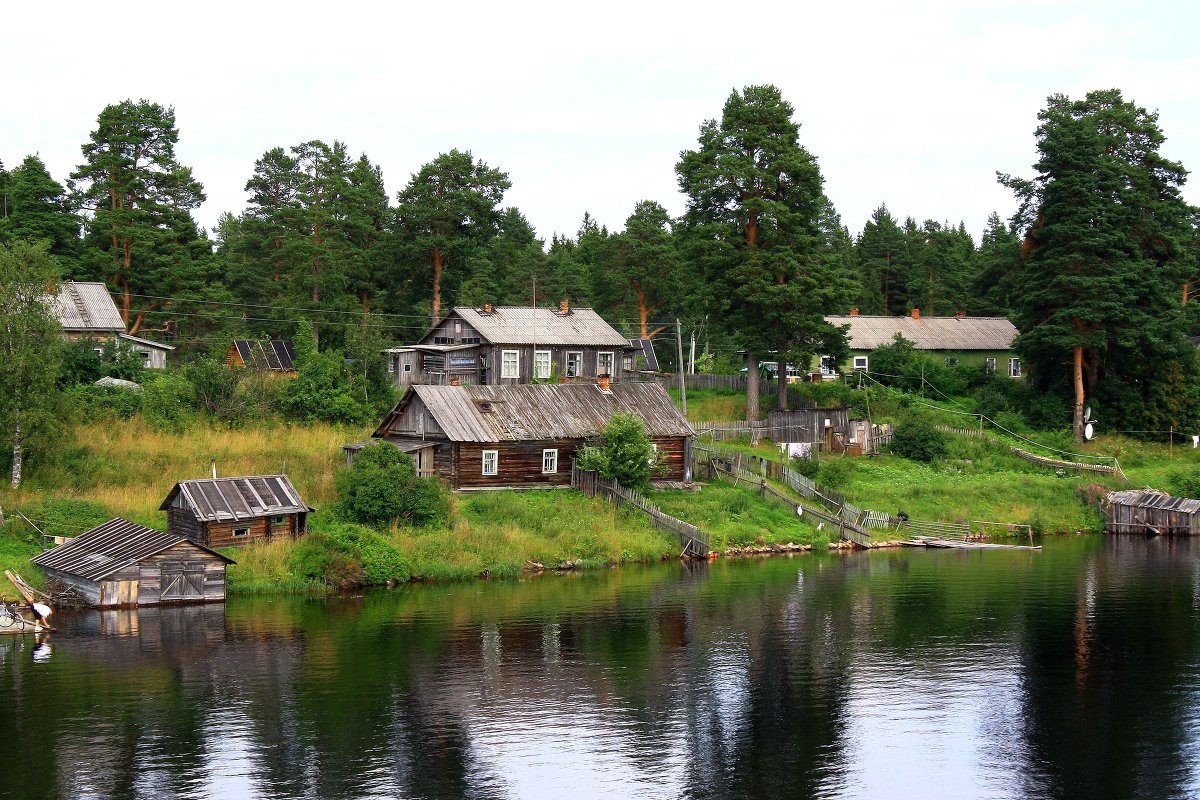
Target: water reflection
x,y
1071,672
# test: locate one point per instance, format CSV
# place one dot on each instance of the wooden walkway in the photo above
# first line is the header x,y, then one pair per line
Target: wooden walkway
x,y
958,544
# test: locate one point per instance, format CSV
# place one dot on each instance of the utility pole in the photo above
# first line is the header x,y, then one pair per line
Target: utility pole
x,y
692,356
682,377
534,303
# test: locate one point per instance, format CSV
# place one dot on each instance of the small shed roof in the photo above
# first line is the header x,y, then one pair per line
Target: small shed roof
x,y
145,342
929,333
85,307
276,356
248,497
525,325
538,412
645,347
1148,498
112,546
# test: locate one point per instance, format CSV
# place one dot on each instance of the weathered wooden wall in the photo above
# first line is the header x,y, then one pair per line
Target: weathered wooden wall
x,y
518,464
260,529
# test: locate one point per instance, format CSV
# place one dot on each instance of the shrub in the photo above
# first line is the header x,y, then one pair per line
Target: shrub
x,y
918,440
345,555
92,403
215,389
836,473
382,486
167,398
623,452
808,467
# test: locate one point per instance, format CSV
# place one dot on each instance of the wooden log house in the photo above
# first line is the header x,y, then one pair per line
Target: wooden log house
x,y
1149,512
121,563
221,512
512,345
497,437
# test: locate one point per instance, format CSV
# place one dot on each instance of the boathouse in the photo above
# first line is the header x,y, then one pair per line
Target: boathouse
x,y
525,436
1148,511
220,512
121,563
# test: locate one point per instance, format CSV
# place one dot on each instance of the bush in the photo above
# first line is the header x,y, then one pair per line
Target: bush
x,y
93,403
345,555
215,389
167,398
836,473
917,439
382,486
623,452
808,467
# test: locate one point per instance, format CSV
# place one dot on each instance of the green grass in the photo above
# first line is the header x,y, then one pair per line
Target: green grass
x,y
735,516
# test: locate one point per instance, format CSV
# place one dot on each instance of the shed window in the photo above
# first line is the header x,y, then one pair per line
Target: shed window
x,y
491,461
860,363
604,364
549,462
510,363
574,365
541,364
408,367
1014,368
279,519
240,532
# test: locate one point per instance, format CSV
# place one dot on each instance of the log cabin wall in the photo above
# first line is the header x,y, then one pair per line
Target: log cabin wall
x,y
182,522
519,464
673,455
220,534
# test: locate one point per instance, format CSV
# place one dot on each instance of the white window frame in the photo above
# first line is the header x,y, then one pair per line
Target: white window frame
x,y
824,368
654,454
516,371
861,363
542,358
1014,368
574,365
989,365
550,461
611,363
490,462
241,533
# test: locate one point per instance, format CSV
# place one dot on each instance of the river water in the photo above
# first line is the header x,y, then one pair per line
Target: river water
x,y
1070,672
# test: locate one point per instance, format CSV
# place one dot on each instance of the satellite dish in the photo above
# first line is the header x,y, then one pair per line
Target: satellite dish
x,y
1087,414
1088,431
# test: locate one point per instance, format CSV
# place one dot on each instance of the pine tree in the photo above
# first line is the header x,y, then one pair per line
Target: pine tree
x,y
138,200
35,206
753,219
994,285
881,255
1102,259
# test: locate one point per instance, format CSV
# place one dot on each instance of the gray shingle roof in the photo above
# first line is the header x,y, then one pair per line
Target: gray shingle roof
x,y
216,499
86,307
929,333
523,325
531,412
109,547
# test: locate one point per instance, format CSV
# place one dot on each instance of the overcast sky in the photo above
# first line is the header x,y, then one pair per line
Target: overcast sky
x,y
587,107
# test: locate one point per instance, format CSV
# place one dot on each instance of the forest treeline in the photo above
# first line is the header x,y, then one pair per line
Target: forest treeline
x,y
1096,267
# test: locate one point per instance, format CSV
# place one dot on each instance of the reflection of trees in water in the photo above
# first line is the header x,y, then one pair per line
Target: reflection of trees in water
x,y
1109,674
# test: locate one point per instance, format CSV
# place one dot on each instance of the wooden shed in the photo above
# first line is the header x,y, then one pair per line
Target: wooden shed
x,y
220,512
492,437
1148,511
121,563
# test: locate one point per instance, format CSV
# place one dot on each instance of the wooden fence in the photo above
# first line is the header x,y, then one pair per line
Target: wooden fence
x,y
695,541
736,383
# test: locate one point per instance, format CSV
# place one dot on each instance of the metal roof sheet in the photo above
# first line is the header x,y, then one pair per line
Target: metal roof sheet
x,y
277,356
929,333
112,546
247,497
146,342
525,325
536,412
83,306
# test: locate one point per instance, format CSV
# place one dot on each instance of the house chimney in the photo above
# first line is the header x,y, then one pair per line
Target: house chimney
x,y
214,470
602,381
916,313
854,312
454,380
960,313
487,308
564,307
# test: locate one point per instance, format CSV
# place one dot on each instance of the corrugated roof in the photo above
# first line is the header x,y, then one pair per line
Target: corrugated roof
x,y
929,333
528,412
524,325
110,547
277,356
146,342
86,307
247,497
1145,498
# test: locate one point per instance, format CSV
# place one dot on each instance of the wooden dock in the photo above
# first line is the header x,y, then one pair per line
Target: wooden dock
x,y
960,544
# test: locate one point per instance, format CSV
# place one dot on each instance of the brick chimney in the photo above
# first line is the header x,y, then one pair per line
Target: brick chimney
x,y
487,308
916,313
455,380
854,312
564,307
960,313
602,382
